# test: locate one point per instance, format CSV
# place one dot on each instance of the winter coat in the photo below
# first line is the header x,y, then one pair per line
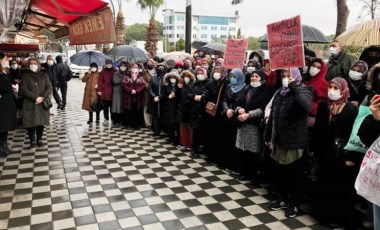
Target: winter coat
x,y
64,73
105,84
339,66
197,107
129,98
233,101
51,71
358,90
8,116
287,123
16,74
184,106
146,77
155,88
117,93
170,105
212,92
369,130
319,84
35,85
90,93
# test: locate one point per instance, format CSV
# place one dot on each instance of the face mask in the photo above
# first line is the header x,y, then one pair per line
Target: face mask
x,y
179,70
187,80
123,68
200,77
140,70
93,69
152,72
160,71
33,67
150,67
197,66
109,66
334,95
355,76
233,81
314,71
216,76
186,66
173,80
372,60
251,69
5,64
255,84
285,82
14,66
205,66
50,62
334,50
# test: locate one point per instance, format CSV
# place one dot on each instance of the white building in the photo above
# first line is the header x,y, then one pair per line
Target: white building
x,y
205,25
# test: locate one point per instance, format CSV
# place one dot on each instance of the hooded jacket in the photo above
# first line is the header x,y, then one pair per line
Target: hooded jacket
x,y
339,66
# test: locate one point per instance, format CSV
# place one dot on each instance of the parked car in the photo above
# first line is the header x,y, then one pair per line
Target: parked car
x,y
78,71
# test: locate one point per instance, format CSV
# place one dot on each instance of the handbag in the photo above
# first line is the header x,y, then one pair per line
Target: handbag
x,y
46,104
354,143
367,182
97,106
211,107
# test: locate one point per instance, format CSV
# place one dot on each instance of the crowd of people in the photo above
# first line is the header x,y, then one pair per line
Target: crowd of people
x,y
290,125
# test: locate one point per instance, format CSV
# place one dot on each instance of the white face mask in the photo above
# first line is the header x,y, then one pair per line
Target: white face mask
x,y
93,69
109,66
50,62
14,66
5,64
216,76
205,66
197,66
187,80
334,95
314,71
173,80
200,77
355,76
33,67
123,68
179,70
334,50
255,84
285,82
140,70
251,69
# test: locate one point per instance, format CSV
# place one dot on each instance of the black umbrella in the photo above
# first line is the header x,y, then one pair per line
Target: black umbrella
x,y
215,46
310,35
130,52
85,58
198,44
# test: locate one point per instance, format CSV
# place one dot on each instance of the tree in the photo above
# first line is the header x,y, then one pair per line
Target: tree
x,y
120,27
371,6
235,2
180,45
218,40
342,14
253,43
151,37
136,32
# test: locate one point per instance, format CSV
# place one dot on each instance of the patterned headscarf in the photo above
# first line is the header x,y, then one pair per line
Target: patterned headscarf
x,y
335,106
296,75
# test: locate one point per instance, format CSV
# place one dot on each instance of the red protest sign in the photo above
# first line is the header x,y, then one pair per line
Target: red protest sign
x,y
285,43
235,53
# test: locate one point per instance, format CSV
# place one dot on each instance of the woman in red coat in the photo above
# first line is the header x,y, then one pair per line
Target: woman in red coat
x,y
105,88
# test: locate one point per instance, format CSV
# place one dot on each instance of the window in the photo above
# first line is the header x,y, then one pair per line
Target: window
x,y
195,28
170,19
180,27
223,36
195,19
204,28
204,36
170,36
180,18
213,20
194,36
232,29
233,20
223,28
214,36
214,28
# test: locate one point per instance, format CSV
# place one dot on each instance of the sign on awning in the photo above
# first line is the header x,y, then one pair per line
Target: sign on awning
x,y
285,43
93,29
235,53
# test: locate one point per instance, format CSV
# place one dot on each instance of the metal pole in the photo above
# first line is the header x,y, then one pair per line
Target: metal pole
x,y
188,27
166,31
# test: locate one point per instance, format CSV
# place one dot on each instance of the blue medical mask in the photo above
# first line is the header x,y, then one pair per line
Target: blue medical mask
x,y
233,81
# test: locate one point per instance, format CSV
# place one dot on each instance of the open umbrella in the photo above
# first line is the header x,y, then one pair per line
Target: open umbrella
x,y
363,34
310,35
131,53
216,47
177,56
198,44
85,58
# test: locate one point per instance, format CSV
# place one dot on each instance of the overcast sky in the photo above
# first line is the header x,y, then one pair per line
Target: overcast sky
x,y
255,14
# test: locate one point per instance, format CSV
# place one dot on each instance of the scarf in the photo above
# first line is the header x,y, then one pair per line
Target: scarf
x,y
296,76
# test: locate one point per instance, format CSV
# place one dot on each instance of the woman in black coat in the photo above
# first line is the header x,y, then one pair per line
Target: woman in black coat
x,y
8,117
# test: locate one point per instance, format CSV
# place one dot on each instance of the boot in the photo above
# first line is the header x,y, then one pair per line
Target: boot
x,y
3,151
7,148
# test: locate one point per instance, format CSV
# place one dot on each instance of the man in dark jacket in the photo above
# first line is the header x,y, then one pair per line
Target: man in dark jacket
x,y
51,69
339,63
64,75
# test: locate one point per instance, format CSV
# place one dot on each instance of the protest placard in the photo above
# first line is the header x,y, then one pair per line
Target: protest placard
x,y
235,53
285,43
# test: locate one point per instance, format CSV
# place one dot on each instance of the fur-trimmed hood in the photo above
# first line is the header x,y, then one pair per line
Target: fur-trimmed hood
x,y
187,73
371,84
169,75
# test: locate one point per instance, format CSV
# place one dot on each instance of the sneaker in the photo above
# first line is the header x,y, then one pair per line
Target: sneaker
x,y
40,144
278,205
229,170
291,211
180,146
89,121
236,173
106,122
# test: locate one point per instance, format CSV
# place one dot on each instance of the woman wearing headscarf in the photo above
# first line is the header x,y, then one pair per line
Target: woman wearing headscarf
x,y
170,100
8,88
357,79
287,134
233,98
35,88
105,88
249,115
196,99
117,110
148,73
337,168
91,92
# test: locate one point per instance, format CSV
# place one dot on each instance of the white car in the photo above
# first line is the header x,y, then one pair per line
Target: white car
x,y
78,71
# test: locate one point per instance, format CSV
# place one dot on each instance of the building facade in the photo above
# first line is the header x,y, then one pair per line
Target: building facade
x,y
206,27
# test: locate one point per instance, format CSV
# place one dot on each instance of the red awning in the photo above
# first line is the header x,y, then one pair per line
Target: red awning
x,y
26,48
66,10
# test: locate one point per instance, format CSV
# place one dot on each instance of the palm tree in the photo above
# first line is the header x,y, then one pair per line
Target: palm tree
x,y
120,27
151,37
235,2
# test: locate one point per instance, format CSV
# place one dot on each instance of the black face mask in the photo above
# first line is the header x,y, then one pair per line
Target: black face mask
x,y
371,60
186,66
150,67
160,71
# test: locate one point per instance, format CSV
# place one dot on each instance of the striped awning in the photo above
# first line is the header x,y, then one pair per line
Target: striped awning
x,y
364,34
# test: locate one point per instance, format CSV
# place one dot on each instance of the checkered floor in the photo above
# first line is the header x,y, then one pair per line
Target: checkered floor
x,y
104,177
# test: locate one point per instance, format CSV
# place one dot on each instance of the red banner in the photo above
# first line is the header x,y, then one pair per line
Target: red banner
x,y
93,30
285,43
235,53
